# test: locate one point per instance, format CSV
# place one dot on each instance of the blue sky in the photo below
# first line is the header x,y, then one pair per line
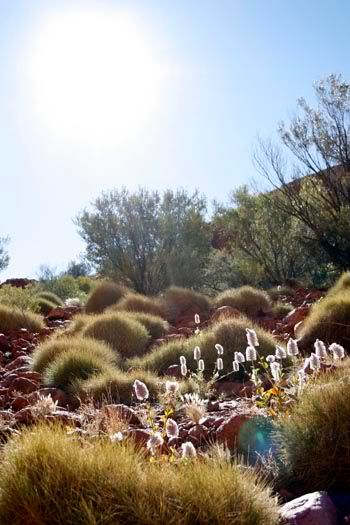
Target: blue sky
x,y
229,71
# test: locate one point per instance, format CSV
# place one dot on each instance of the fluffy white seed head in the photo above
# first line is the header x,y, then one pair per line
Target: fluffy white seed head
x,y
182,360
239,357
197,319
219,348
219,363
280,352
252,338
171,428
116,438
292,347
171,387
155,441
141,390
275,368
201,365
320,349
235,366
184,370
196,353
337,350
271,358
314,362
250,353
188,450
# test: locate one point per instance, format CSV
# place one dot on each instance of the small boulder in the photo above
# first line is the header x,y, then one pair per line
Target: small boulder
x,y
316,508
121,412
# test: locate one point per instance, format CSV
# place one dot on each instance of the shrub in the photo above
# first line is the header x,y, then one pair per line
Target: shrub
x,y
14,319
103,295
341,285
18,298
48,477
50,350
280,291
63,286
117,386
45,306
250,301
231,334
64,371
314,439
181,301
134,302
328,320
155,325
280,310
51,297
123,334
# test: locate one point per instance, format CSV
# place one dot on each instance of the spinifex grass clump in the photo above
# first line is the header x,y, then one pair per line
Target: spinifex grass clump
x,y
48,477
277,292
183,301
72,366
50,350
45,306
341,285
125,335
134,302
314,439
76,326
280,310
155,325
116,386
51,297
248,300
14,319
103,295
231,334
328,320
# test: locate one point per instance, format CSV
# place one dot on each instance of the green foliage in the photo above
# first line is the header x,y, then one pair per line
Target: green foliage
x,y
51,297
19,298
4,258
116,484
44,306
314,438
117,386
231,334
125,335
277,292
246,299
133,302
155,325
64,286
64,371
48,351
14,319
147,240
103,295
183,301
328,320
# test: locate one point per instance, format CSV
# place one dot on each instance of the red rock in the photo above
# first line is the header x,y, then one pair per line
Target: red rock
x,y
184,330
296,315
228,433
21,384
5,383
174,371
4,343
19,362
33,376
225,312
18,403
139,435
121,412
55,393
64,417
198,432
234,388
25,416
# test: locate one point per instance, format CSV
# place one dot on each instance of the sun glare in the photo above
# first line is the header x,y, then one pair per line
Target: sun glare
x,y
93,77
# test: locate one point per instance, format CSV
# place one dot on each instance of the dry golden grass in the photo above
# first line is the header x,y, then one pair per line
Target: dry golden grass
x,y
49,478
103,295
51,297
134,302
155,325
125,335
248,300
14,319
51,349
183,301
341,285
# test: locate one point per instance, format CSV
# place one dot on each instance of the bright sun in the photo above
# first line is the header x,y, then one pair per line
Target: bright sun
x,y
93,77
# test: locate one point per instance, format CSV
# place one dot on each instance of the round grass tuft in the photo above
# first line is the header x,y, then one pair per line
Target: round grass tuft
x,y
134,302
248,300
124,334
103,295
183,301
155,325
51,297
15,319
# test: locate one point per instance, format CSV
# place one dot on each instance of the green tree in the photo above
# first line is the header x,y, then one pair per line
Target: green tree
x,y
147,240
314,187
4,257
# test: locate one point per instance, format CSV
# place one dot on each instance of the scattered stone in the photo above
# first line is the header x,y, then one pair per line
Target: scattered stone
x,y
121,412
316,508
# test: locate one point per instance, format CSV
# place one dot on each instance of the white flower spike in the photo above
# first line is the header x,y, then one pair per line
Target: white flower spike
x,y
141,390
252,338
